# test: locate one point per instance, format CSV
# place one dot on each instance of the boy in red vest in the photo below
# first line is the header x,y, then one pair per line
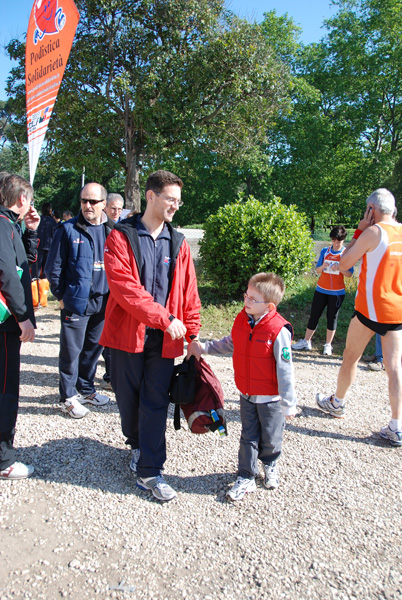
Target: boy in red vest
x,y
260,343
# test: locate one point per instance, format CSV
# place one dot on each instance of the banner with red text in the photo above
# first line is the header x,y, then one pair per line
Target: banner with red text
x,y
50,35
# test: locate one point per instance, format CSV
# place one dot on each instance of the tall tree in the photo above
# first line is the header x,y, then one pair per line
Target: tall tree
x,y
344,138
147,77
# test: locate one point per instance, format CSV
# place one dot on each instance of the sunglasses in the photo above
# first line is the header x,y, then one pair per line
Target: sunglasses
x,y
91,202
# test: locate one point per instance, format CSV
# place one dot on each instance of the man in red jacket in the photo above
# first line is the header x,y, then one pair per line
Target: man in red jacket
x,y
153,306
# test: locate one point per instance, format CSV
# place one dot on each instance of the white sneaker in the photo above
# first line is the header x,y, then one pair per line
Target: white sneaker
x,y
73,407
271,479
135,457
327,350
96,399
241,487
302,345
17,471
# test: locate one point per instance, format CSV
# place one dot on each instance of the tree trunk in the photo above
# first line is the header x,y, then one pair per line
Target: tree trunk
x,y
132,187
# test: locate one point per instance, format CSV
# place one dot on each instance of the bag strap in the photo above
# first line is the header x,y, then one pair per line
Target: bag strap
x,y
176,418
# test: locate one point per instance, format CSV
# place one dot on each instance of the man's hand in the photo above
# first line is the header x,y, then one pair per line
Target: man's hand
x,y
194,349
176,329
32,219
61,304
27,331
367,220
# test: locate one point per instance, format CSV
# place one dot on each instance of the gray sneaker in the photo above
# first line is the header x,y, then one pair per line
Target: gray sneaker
x,y
326,404
135,457
96,399
158,486
271,479
376,366
302,345
241,487
394,437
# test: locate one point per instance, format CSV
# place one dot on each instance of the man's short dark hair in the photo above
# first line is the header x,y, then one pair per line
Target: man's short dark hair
x,y
158,180
338,233
12,188
46,209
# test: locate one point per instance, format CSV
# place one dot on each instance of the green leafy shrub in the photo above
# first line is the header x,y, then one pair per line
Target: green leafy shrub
x,y
249,237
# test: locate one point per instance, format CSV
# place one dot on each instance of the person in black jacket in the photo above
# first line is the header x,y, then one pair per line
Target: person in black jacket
x,y
46,229
16,249
77,278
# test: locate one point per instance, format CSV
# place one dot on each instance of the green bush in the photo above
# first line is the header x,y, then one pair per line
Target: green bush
x,y
249,237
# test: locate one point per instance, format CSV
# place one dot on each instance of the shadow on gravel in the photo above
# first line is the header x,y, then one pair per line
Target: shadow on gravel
x,y
95,465
49,405
320,360
373,440
50,361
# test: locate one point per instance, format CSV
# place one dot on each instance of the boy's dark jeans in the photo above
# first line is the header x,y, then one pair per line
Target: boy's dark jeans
x,y
261,435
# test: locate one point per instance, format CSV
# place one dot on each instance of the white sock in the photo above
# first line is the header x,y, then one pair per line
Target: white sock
x,y
395,425
338,401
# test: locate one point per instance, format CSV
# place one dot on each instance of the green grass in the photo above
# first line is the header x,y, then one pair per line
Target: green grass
x,y
218,314
322,235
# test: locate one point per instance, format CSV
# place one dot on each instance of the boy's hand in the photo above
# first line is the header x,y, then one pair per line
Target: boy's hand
x,y
194,349
289,417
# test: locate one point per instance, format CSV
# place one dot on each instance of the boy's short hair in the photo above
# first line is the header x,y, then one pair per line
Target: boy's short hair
x,y
338,233
270,286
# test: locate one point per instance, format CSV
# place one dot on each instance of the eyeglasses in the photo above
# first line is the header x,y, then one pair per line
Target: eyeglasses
x,y
171,201
253,300
91,201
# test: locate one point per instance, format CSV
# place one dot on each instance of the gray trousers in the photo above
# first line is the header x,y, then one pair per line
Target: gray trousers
x,y
261,435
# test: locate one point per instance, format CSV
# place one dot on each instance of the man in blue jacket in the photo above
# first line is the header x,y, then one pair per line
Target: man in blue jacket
x,y
76,274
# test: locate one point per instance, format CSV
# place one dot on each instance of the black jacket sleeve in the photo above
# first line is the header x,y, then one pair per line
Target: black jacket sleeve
x,y
10,283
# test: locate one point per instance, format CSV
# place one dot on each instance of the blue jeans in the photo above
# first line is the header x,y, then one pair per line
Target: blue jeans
x,y
378,348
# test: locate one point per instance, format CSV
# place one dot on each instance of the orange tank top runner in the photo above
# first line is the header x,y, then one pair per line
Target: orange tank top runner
x,y
331,279
379,293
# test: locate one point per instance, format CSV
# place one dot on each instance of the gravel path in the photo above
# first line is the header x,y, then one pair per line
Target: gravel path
x,y
79,528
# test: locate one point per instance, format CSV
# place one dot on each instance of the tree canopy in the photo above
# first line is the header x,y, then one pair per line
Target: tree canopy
x,y
233,107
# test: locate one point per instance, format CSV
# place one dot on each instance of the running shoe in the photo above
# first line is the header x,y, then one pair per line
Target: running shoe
x,y
394,437
73,407
326,404
158,486
302,345
271,479
17,471
241,487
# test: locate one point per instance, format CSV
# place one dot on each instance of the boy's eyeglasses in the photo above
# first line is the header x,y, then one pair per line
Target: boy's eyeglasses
x,y
91,202
253,300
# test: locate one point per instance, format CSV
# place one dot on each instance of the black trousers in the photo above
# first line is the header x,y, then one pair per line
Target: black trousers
x,y
320,301
79,352
141,383
9,394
